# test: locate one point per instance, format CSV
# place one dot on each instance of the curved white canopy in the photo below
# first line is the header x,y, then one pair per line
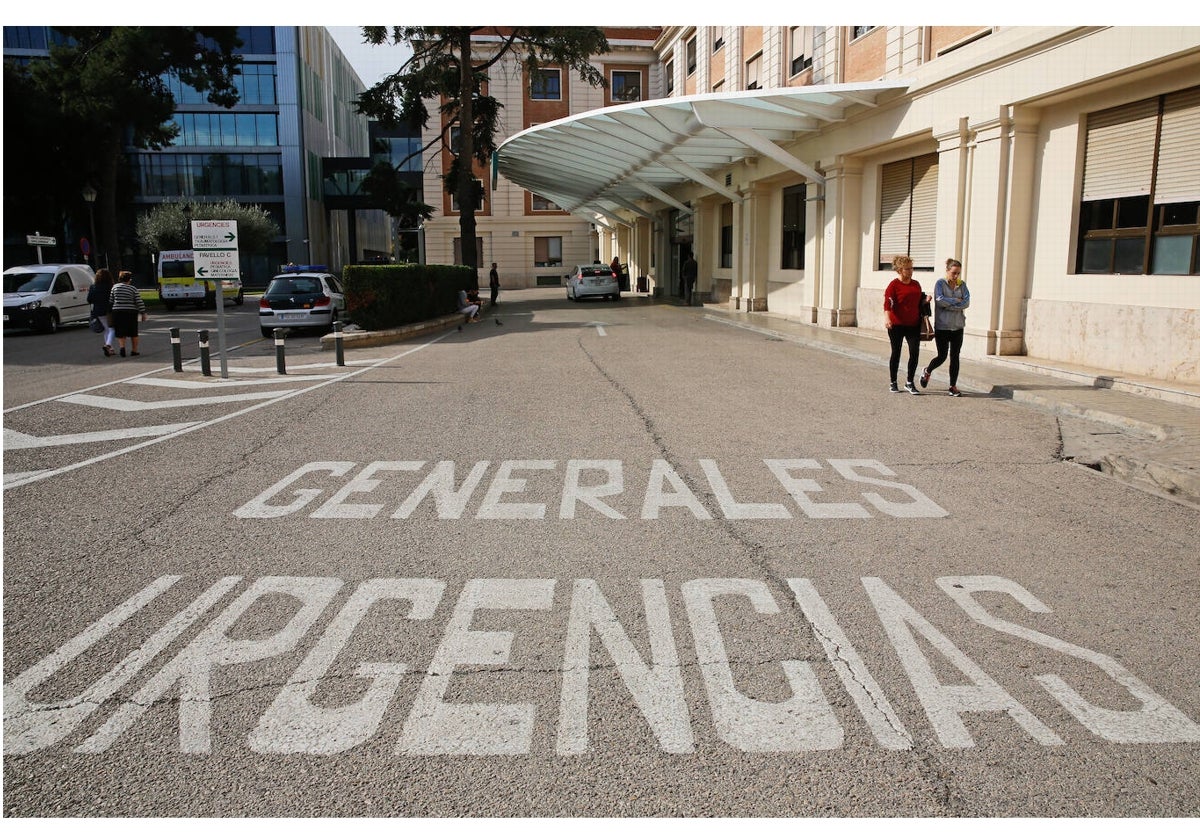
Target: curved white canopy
x,y
602,161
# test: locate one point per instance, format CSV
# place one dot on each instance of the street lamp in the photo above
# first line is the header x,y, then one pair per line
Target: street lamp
x,y
89,197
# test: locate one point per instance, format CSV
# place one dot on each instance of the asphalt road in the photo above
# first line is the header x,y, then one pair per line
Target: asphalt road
x,y
597,559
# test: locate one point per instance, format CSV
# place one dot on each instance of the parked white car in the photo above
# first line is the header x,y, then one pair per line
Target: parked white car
x,y
596,280
303,297
43,297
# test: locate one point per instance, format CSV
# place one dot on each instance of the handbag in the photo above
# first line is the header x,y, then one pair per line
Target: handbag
x,y
96,324
926,329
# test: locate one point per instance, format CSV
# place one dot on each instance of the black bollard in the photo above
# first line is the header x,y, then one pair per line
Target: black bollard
x,y
205,367
280,365
176,350
337,344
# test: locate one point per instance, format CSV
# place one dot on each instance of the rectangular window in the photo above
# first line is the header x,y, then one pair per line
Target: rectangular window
x,y
793,227
718,43
537,202
626,86
454,205
800,42
690,53
670,71
908,211
753,71
545,84
458,257
727,235
547,250
858,32
1140,207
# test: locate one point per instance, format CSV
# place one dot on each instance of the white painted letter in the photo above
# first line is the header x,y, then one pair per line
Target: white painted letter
x,y
435,727
590,496
450,502
656,499
805,722
1157,722
257,508
294,724
657,690
885,724
192,668
944,703
799,488
336,508
920,506
34,726
734,509
493,508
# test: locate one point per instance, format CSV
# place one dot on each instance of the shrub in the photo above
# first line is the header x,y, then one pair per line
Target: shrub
x,y
383,296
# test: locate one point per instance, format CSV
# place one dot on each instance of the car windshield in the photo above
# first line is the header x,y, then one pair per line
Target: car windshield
x,y
28,281
294,286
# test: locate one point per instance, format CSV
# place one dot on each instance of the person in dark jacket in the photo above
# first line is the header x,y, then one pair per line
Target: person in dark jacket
x,y
98,297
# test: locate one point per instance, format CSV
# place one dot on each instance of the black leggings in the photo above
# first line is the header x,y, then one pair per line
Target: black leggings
x,y
898,335
952,340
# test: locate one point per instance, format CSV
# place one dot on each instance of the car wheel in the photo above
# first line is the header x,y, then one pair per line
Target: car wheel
x,y
240,299
50,325
617,296
267,332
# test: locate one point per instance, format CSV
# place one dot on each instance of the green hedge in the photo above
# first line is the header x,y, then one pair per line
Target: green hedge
x,y
383,296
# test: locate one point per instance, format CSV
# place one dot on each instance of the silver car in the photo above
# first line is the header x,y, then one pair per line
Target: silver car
x,y
596,280
303,300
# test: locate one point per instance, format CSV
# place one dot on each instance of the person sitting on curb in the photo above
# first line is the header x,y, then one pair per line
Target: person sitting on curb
x,y
466,307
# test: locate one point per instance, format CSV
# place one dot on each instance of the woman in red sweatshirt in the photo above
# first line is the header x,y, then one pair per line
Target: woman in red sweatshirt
x,y
902,310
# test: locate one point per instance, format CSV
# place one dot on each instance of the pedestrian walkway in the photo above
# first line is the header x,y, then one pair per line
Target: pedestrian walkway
x,y
1158,450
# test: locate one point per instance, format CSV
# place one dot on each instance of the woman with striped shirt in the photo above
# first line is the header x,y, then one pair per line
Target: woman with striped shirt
x,y
127,303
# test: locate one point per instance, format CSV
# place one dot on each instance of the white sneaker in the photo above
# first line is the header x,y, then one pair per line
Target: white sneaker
x,y
911,388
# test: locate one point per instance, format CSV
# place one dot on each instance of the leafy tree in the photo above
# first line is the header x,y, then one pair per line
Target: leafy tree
x,y
443,68
397,198
106,84
168,226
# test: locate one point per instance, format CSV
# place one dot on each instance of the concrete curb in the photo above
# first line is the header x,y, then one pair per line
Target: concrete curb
x,y
377,338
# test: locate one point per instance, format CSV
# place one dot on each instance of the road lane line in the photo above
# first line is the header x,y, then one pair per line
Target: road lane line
x,y
117,404
19,440
226,383
21,479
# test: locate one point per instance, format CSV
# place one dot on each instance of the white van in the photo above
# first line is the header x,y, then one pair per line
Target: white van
x,y
42,297
177,282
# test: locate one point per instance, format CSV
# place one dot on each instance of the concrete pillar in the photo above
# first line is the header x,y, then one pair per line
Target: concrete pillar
x,y
996,247
706,243
753,257
840,252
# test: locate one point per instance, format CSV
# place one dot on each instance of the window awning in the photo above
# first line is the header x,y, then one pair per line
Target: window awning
x,y
600,163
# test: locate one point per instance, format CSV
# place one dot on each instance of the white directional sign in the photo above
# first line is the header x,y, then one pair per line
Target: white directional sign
x,y
40,240
214,233
211,265
215,247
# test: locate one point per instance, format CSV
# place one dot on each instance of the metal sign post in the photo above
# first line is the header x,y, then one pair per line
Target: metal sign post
x,y
215,248
38,241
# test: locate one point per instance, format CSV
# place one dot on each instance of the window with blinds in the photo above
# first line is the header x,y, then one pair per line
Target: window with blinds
x,y
1140,203
908,211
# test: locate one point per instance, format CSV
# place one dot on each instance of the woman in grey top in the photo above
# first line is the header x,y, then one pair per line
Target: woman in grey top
x,y
950,298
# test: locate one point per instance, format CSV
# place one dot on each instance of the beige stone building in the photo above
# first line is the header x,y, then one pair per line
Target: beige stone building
x,y
1060,164
533,240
